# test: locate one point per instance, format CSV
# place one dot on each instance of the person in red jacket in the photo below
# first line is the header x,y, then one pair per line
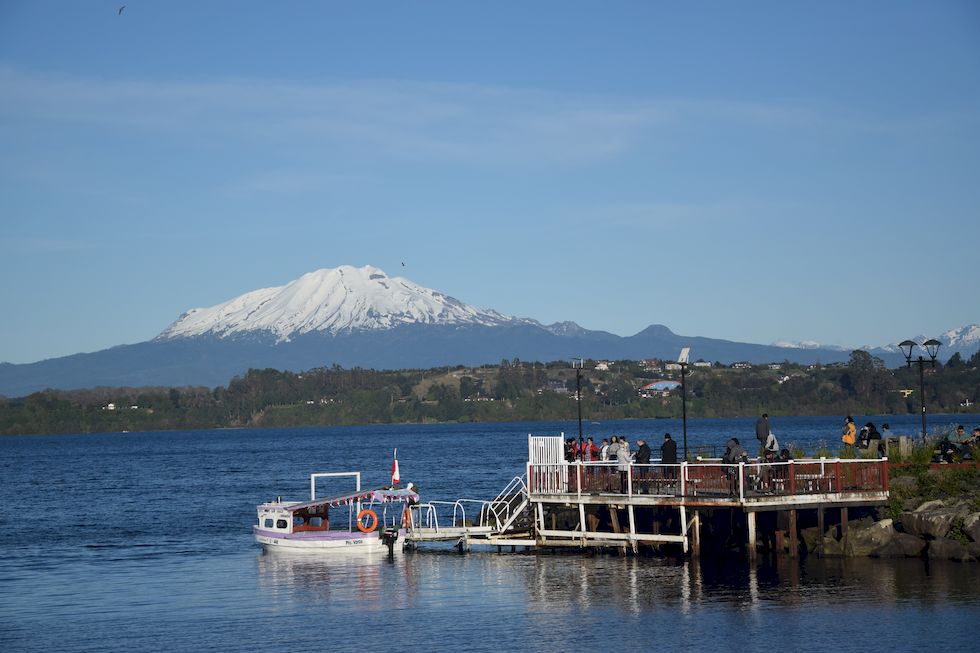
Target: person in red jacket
x,y
589,452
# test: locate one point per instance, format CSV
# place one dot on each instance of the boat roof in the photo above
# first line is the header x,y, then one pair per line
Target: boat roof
x,y
379,495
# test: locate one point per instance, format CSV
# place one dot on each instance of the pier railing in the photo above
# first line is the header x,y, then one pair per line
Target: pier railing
x,y
712,480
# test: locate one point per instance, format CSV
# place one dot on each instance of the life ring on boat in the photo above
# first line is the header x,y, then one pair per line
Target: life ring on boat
x,y
372,520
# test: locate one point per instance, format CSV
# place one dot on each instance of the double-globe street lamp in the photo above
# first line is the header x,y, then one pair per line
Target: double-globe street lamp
x,y
931,347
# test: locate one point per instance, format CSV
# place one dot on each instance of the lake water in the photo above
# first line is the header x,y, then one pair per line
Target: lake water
x,y
142,542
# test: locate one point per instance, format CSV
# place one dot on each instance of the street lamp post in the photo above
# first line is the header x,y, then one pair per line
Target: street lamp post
x,y
578,364
931,347
682,361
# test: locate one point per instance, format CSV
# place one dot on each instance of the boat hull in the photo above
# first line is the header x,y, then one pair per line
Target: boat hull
x,y
323,540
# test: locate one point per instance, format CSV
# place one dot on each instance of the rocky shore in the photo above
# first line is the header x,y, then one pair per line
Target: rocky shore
x,y
934,513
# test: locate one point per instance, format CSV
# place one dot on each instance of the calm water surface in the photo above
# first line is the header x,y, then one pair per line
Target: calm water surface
x,y
142,541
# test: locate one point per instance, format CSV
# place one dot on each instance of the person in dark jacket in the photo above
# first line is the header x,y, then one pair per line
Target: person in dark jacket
x,y
668,451
668,456
762,428
734,454
642,457
642,453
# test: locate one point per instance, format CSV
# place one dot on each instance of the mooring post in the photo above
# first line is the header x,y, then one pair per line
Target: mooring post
x,y
794,545
752,544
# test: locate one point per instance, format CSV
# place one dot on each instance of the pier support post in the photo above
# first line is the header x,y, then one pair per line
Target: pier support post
x,y
794,544
820,525
843,521
614,519
752,543
632,516
696,534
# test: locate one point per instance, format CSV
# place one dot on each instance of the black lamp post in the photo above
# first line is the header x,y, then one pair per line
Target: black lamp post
x,y
578,363
682,361
931,347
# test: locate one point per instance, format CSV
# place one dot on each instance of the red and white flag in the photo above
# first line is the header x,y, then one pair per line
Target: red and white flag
x,y
395,477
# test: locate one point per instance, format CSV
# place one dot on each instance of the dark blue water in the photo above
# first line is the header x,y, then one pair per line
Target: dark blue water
x,y
142,541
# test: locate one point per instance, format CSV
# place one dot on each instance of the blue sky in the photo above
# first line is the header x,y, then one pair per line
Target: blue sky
x,y
750,171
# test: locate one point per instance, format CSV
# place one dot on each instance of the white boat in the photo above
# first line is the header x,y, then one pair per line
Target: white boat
x,y
364,520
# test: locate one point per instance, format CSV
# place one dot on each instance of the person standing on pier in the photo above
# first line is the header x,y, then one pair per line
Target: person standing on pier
x,y
604,450
642,457
848,432
668,451
772,445
590,452
623,463
668,456
762,428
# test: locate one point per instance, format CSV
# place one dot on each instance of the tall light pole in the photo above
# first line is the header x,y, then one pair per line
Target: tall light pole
x,y
682,361
931,347
578,363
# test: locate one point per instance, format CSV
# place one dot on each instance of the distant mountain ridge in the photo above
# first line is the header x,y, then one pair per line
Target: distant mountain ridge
x,y
361,317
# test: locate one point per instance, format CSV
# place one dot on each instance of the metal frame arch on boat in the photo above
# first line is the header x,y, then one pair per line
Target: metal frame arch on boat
x,y
361,526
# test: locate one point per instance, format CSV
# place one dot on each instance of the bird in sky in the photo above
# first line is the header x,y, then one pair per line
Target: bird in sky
x,y
403,263
120,10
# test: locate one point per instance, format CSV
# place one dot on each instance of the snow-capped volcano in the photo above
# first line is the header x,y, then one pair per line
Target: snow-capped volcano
x,y
331,300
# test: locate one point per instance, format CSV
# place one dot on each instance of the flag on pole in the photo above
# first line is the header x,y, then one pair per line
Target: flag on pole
x,y
395,477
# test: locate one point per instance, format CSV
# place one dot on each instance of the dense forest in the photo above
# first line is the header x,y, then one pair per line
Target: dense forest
x,y
512,390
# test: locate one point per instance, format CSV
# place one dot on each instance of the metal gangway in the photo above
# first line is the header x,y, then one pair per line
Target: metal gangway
x,y
502,520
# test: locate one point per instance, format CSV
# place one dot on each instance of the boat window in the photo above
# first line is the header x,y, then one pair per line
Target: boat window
x,y
316,521
297,520
281,523
268,522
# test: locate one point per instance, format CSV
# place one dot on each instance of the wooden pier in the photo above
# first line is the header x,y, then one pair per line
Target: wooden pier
x,y
594,504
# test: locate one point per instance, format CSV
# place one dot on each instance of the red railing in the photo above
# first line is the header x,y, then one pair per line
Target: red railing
x,y
712,480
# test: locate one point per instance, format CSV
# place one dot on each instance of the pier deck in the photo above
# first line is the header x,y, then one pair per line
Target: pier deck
x,y
595,504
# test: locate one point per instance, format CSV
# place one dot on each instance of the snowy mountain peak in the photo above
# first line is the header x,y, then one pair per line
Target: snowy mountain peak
x,y
331,300
967,336
805,344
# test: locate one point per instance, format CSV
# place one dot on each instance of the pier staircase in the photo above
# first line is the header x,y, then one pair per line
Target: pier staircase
x,y
506,519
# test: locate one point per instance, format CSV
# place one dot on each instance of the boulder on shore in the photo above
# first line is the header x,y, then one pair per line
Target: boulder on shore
x,y
901,545
832,548
932,519
971,526
864,539
810,537
973,548
902,483
946,549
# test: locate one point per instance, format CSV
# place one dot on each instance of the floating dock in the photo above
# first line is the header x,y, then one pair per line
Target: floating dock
x,y
594,504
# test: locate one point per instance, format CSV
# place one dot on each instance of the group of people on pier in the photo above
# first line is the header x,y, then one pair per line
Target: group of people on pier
x,y
620,458
617,449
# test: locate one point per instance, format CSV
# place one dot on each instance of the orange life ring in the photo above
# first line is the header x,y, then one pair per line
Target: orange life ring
x,y
372,518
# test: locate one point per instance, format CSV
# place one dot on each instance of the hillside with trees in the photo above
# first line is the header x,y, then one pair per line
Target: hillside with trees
x,y
512,390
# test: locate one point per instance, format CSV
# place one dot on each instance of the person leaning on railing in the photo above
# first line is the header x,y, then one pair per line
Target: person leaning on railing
x,y
642,457
734,454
